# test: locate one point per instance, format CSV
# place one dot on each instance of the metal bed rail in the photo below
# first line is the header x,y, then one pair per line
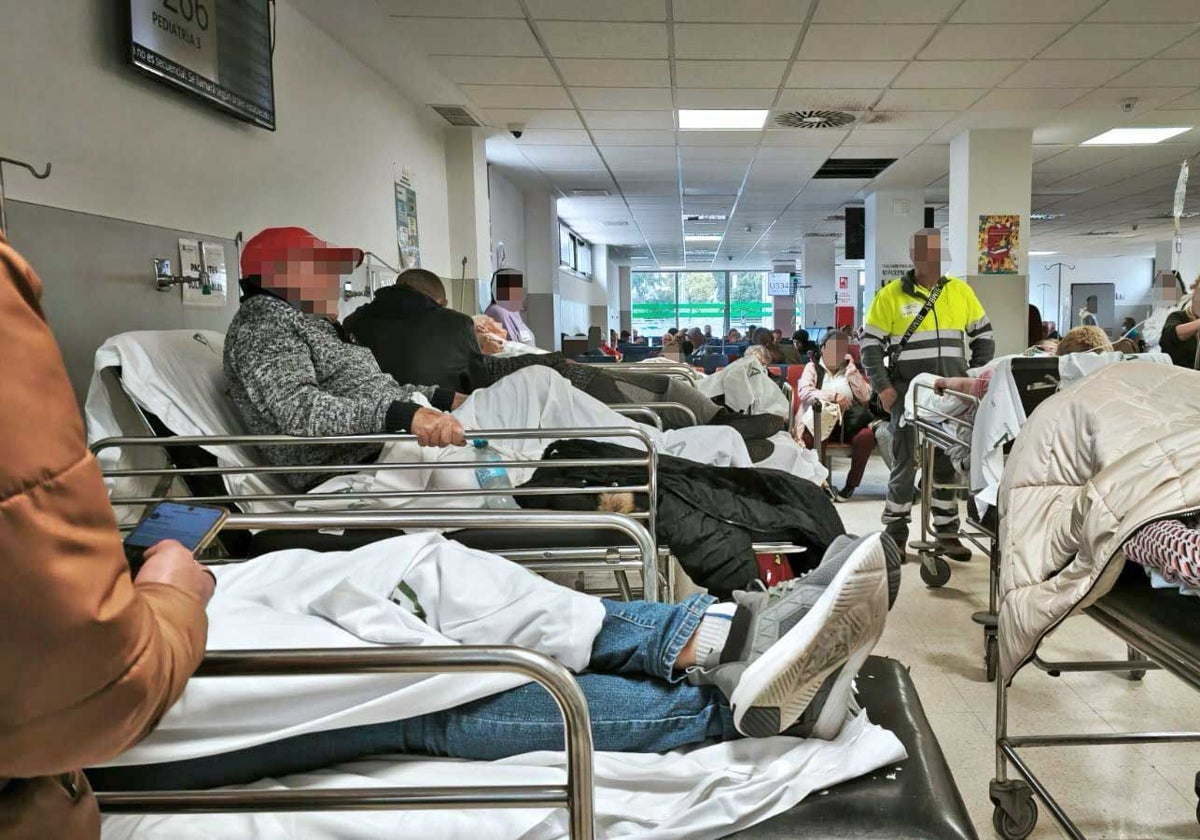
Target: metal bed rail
x,y
642,556
679,370
655,409
543,559
577,795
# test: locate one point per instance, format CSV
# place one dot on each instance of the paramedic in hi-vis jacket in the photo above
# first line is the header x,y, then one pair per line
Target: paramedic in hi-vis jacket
x,y
938,346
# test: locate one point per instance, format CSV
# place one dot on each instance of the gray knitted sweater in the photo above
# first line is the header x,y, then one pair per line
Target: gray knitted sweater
x,y
294,374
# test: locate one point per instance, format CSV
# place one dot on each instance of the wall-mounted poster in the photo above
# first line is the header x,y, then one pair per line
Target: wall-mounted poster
x,y
406,223
999,239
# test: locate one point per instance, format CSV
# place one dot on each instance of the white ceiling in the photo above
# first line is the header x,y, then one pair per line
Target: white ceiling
x,y
595,84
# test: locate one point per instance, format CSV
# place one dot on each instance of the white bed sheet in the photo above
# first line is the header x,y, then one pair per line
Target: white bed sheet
x,y
708,792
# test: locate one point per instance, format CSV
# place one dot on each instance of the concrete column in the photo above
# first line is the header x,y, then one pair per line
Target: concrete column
x,y
992,172
541,267
819,276
469,216
892,217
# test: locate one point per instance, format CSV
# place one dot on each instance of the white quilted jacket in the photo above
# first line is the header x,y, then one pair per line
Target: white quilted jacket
x,y
1091,466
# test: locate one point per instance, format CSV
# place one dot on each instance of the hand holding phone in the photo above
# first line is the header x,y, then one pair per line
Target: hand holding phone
x,y
192,526
171,563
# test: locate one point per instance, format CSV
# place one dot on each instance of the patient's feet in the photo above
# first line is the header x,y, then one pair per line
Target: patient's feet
x,y
793,651
749,426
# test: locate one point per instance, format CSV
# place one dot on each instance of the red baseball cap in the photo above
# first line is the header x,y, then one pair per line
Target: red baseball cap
x,y
292,244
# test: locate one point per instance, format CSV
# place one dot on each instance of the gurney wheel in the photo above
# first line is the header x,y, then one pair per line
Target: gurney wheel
x,y
991,655
935,572
1016,814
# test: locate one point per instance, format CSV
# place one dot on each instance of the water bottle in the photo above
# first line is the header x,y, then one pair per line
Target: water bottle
x,y
492,478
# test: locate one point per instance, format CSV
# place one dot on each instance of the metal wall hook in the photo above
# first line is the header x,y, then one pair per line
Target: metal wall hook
x,y
41,176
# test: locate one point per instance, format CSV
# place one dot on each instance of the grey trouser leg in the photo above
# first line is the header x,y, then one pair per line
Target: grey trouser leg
x,y
901,483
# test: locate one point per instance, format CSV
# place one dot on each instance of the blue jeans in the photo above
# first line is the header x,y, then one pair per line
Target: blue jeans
x,y
638,703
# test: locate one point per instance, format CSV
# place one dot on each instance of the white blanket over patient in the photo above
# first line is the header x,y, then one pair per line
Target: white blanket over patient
x,y
306,599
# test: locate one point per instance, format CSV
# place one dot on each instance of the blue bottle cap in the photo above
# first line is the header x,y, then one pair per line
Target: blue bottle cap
x,y
479,443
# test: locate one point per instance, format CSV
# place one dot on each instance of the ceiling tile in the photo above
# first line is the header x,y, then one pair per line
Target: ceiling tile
x,y
907,139
1067,73
517,96
479,70
724,97
1161,72
872,11
951,74
995,40
616,98
864,74
816,98
719,138
764,11
838,42
563,157
643,158
1187,48
615,72
452,8
1020,99
729,73
1110,99
930,99
1191,100
566,39
634,137
618,10
822,139
894,150
734,40
554,137
661,120
1144,11
471,36
1024,11
1114,40
895,120
534,117
730,154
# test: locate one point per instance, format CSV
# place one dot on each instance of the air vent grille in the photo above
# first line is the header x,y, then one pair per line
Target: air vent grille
x,y
853,168
704,217
587,192
816,235
813,119
456,115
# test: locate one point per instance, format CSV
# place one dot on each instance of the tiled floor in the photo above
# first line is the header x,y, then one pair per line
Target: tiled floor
x,y
1111,792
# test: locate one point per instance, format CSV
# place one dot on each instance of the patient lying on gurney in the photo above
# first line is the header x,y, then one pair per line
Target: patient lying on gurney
x,y
657,677
416,338
292,370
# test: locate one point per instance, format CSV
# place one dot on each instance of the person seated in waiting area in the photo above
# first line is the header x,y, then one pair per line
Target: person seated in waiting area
x,y
843,393
766,339
804,346
92,657
609,348
508,288
625,337
1131,333
734,337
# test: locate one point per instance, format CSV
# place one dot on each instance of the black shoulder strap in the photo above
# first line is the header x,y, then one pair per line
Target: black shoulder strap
x,y
930,300
820,373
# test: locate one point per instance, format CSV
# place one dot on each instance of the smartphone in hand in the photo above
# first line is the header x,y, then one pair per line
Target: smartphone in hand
x,y
194,526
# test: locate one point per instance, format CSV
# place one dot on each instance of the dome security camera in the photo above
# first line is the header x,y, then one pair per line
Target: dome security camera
x,y
516,130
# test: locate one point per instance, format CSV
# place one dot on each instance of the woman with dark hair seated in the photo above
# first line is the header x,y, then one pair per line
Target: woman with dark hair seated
x,y
843,393
803,344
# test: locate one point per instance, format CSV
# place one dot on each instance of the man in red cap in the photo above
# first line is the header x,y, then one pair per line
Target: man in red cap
x,y
292,369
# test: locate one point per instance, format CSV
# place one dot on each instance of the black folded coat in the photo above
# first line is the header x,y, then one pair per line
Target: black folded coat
x,y
709,516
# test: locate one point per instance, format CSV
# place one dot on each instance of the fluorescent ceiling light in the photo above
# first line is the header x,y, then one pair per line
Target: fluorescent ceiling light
x,y
704,217
1041,253
1135,136
721,120
703,237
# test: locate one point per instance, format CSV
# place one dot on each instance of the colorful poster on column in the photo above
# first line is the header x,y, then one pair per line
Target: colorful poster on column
x,y
999,242
407,238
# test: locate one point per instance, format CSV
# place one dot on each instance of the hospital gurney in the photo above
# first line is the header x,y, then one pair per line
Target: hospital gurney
x,y
1160,631
186,471
576,795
